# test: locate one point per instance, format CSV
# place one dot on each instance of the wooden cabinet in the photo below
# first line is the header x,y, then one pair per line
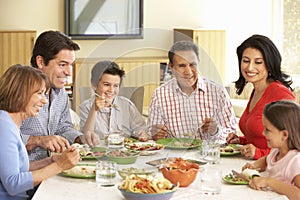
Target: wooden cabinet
x,y
15,48
139,71
212,50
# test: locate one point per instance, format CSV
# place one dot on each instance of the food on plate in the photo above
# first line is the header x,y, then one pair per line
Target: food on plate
x,y
183,143
179,143
227,149
83,150
81,170
250,173
146,184
145,148
180,171
124,172
122,153
233,179
122,156
86,152
129,140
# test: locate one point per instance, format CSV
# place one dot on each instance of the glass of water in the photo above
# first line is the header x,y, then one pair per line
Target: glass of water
x,y
210,151
115,140
211,180
106,173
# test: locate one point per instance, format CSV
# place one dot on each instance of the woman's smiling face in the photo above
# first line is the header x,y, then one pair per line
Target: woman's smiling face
x,y
253,66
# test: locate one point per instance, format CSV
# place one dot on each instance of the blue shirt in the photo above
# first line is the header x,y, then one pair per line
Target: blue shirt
x,y
15,176
53,119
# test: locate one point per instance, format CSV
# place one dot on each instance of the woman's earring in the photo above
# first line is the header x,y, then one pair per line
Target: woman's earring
x,y
269,74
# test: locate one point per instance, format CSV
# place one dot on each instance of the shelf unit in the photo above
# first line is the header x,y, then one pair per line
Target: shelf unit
x,y
212,50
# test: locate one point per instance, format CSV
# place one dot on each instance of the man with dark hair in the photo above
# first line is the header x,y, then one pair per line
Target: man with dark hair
x,y
188,103
52,130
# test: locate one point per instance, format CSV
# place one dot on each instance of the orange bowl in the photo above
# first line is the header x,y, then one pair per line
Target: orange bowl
x,y
182,176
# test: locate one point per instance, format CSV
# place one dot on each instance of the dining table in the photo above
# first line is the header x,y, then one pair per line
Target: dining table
x,y
60,187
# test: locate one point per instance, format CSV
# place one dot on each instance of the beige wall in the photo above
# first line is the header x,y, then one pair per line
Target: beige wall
x,y
240,19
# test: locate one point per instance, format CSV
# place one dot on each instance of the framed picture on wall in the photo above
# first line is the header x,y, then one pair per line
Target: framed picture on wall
x,y
102,19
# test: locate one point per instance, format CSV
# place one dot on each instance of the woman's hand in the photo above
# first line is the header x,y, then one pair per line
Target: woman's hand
x,y
248,151
233,139
68,159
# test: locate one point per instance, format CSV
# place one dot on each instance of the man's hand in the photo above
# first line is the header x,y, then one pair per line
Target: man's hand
x,y
100,102
90,138
54,143
159,132
209,126
141,135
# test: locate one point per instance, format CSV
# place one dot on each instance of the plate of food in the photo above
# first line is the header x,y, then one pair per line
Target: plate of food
x,y
147,188
93,153
145,148
229,150
87,171
164,161
122,156
130,140
127,171
179,143
233,179
242,178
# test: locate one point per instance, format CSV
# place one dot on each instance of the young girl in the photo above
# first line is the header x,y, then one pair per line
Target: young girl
x,y
282,130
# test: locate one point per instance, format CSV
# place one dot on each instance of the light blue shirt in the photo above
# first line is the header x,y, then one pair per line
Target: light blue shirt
x,y
53,119
15,176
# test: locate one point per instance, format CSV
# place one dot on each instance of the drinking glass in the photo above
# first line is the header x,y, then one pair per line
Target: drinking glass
x,y
115,140
106,172
210,151
211,180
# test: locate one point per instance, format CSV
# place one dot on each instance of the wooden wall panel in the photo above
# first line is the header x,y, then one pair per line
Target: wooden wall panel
x,y
15,48
138,72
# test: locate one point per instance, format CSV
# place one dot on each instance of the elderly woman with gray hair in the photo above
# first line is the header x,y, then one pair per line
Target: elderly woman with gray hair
x,y
107,112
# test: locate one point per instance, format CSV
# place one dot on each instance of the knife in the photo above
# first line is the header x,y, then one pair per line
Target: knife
x,y
240,175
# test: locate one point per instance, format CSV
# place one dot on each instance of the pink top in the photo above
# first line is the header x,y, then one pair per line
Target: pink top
x,y
284,169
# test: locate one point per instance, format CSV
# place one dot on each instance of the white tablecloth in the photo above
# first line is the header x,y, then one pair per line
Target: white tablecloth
x,y
64,188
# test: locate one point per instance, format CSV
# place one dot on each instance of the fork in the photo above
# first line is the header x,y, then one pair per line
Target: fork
x,y
110,104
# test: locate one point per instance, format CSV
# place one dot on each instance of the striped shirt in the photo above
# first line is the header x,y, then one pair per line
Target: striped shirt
x,y
53,119
185,114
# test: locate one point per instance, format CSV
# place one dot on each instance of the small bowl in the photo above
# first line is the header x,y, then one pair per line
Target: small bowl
x,y
140,196
180,172
122,157
183,177
124,172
